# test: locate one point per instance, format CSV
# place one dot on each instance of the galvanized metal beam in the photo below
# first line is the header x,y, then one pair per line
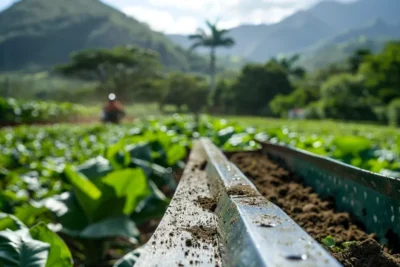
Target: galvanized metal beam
x,y
254,231
239,227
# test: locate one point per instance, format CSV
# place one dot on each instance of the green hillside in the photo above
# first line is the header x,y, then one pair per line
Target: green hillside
x,y
36,34
341,46
331,53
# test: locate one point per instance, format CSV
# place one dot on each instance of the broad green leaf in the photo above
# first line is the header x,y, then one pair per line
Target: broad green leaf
x,y
8,221
224,135
140,151
21,250
57,204
329,241
82,183
59,254
68,211
162,176
86,192
158,174
144,165
130,184
152,207
351,144
349,244
159,154
28,214
130,259
20,195
110,205
117,155
113,227
95,168
174,154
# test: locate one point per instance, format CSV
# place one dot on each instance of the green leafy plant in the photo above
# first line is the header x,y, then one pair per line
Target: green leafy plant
x,y
26,112
96,185
129,259
103,206
330,243
34,247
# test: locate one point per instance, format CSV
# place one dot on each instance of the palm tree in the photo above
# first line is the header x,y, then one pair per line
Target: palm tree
x,y
214,39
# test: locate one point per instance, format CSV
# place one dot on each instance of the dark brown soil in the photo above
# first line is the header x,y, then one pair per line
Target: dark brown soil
x,y
203,233
206,203
147,229
366,253
241,190
317,216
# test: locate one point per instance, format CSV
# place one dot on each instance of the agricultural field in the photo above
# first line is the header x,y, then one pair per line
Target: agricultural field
x,y
14,112
371,147
103,188
96,186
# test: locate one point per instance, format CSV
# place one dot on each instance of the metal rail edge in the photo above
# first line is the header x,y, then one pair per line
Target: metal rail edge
x,y
372,198
247,230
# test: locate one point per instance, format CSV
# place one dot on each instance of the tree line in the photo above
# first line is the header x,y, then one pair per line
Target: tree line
x,y
366,87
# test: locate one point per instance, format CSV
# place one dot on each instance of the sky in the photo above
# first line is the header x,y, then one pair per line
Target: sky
x,y
185,16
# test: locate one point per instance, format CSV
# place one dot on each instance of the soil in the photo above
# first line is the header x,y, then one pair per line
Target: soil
x,y
147,229
206,203
241,190
367,253
316,215
203,233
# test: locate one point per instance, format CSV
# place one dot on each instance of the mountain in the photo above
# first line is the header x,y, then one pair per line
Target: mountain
x,y
294,34
339,47
328,20
260,42
344,16
331,53
247,38
376,30
41,33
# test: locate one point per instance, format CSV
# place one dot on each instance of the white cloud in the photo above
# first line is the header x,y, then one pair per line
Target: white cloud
x,y
232,13
257,16
5,3
227,24
184,16
202,5
162,20
270,15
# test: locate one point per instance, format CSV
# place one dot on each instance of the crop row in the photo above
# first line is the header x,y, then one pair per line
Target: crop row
x,y
99,187
26,112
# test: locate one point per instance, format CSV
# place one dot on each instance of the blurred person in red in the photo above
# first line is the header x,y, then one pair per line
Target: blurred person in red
x,y
113,111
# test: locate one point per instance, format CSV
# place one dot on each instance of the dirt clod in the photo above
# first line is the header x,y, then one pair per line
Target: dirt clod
x,y
202,233
188,242
241,190
366,253
206,203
